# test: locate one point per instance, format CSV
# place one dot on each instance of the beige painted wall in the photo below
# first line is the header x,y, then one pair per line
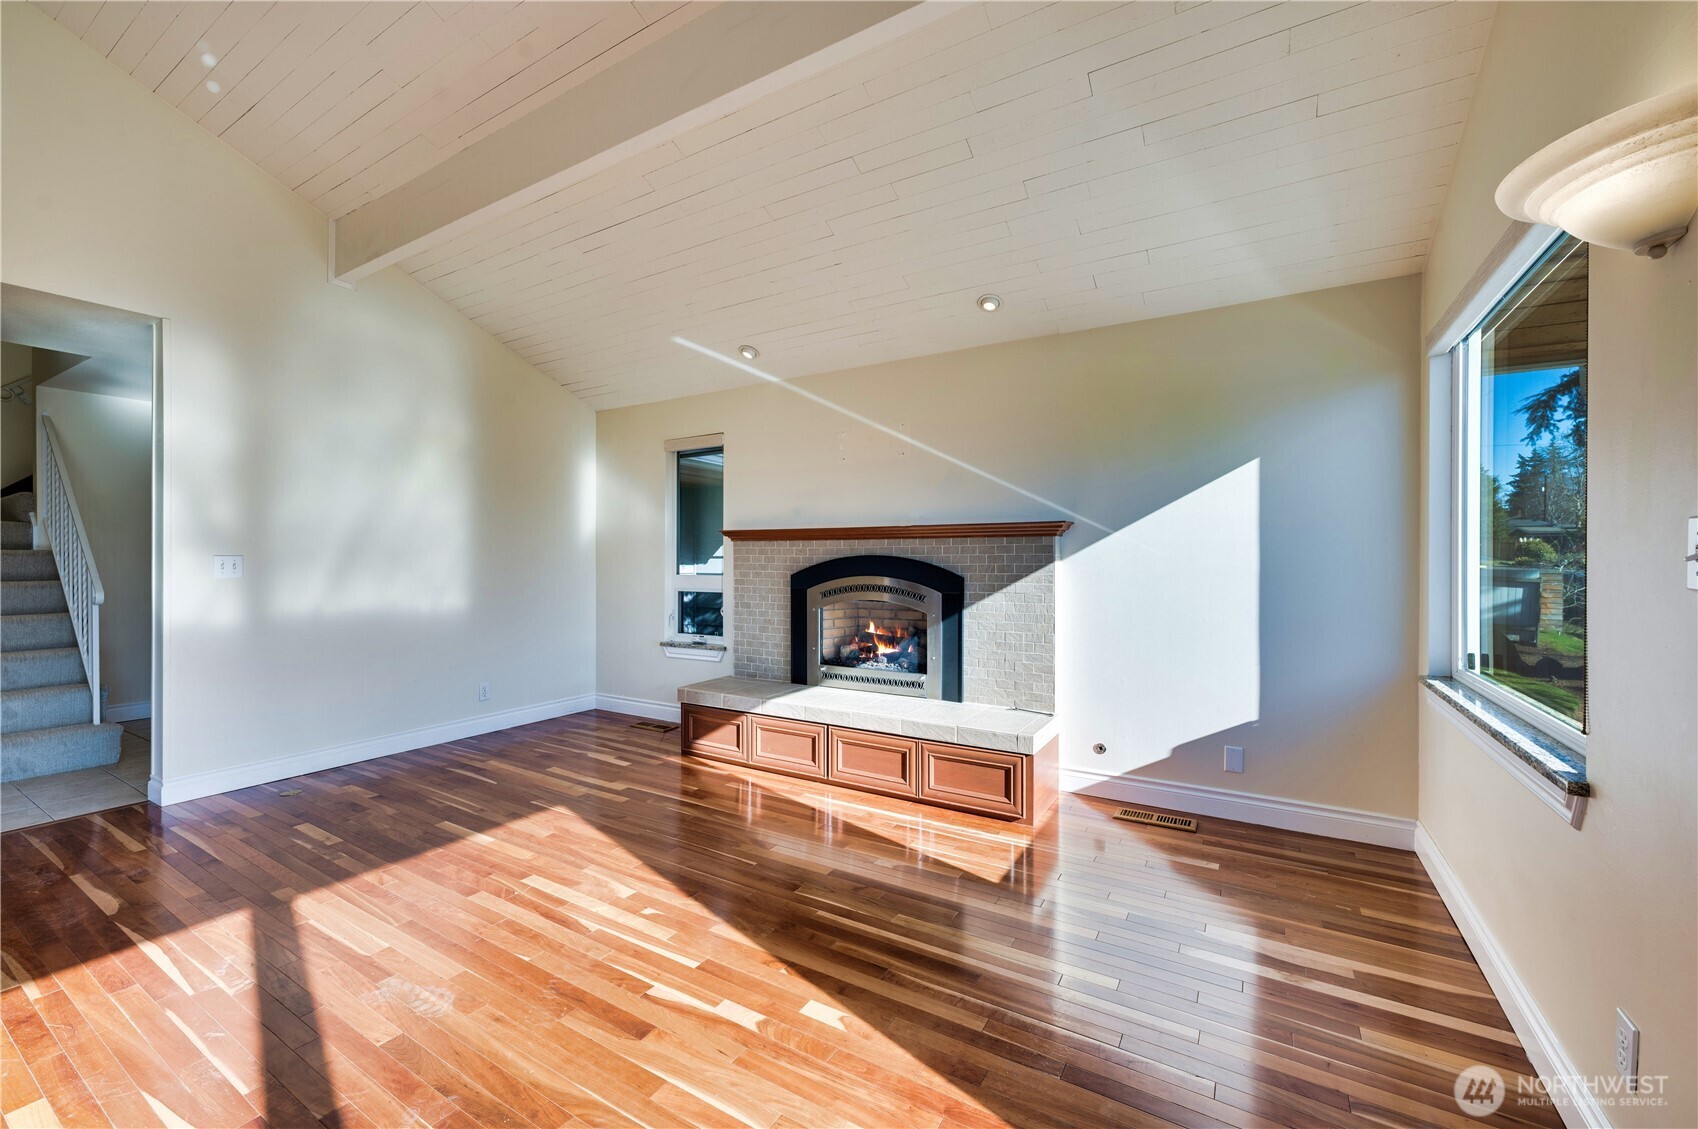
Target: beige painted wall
x,y
108,444
17,419
415,504
1606,916
1252,472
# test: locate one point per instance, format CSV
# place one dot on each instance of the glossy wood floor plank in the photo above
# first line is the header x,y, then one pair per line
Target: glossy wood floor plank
x,y
567,924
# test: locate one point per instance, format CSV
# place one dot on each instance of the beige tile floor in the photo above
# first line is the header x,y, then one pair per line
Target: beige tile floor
x,y
25,803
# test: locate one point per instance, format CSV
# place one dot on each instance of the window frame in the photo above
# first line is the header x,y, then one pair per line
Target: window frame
x,y
1462,369
675,581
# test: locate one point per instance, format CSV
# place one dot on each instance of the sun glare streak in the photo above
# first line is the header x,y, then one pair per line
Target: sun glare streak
x,y
900,436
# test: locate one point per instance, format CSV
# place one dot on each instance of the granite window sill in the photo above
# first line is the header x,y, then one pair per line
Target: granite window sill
x,y
704,652
1555,773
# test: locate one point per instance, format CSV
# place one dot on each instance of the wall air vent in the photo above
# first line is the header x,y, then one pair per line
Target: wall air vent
x,y
1157,819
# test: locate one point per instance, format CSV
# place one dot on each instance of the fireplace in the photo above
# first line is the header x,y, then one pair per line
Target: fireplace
x,y
886,625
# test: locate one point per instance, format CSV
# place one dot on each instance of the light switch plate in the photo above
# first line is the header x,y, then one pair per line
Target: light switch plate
x,y
1691,552
227,567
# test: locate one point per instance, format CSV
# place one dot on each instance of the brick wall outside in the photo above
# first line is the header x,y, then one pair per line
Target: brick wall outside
x,y
1553,597
1008,632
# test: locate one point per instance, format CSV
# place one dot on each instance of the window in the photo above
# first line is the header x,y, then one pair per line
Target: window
x,y
695,548
1521,504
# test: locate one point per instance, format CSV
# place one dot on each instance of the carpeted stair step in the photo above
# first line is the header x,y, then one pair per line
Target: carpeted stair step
x,y
47,666
17,507
16,535
27,564
64,748
31,597
43,707
35,632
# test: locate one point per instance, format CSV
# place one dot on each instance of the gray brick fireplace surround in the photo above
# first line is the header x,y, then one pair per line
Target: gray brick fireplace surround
x,y
1008,636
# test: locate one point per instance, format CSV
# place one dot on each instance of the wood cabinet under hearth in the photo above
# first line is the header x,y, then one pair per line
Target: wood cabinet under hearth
x,y
1014,787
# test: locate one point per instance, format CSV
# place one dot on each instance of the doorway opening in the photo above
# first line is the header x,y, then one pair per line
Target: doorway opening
x,y
80,514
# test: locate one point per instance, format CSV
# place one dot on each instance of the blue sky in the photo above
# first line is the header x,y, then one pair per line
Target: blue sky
x,y
1508,423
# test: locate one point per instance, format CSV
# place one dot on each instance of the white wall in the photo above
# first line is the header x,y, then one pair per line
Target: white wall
x,y
415,503
1606,916
17,419
108,445
1244,568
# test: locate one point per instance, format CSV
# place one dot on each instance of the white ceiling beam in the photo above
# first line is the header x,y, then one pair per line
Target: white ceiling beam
x,y
715,63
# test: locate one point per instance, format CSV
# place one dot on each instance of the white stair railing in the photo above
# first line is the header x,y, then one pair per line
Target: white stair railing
x,y
59,518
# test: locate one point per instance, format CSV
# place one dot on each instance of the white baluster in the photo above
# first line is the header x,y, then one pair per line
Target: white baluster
x,y
68,539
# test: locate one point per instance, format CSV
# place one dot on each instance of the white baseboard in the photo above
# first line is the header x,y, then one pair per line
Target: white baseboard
x,y
1578,1106
1247,807
127,711
218,780
637,707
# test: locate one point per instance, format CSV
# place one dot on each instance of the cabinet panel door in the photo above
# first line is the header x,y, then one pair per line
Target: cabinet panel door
x,y
876,762
978,780
713,733
788,746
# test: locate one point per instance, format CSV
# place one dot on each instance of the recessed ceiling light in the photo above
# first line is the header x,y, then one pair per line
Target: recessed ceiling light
x,y
208,59
989,302
212,87
748,352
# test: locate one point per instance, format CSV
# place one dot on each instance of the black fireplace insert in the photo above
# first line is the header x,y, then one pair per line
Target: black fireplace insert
x,y
887,625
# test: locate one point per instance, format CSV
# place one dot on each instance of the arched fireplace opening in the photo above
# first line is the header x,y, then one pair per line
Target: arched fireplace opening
x,y
887,625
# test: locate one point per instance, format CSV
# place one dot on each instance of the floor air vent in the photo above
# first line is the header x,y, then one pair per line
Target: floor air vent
x,y
1157,819
654,726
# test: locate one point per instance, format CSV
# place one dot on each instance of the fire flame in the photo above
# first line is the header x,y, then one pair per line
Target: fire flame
x,y
879,638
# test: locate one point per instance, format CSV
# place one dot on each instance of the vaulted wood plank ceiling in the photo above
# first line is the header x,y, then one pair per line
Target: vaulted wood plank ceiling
x,y
1090,163
343,101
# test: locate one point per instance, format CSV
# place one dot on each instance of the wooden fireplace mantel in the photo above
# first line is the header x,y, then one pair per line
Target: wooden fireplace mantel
x,y
898,532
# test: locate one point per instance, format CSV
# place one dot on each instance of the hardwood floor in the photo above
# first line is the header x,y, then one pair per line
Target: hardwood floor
x,y
567,924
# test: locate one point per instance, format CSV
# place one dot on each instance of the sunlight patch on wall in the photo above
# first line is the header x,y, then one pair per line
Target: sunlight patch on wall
x,y
402,542
1163,642
584,480
204,439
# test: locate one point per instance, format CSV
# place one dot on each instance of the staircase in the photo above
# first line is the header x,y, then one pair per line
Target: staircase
x,y
46,705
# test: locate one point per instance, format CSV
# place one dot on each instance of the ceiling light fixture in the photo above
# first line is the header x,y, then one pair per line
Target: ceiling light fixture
x,y
748,352
989,303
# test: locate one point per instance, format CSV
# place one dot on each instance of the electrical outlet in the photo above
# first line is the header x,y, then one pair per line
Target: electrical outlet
x,y
1626,1049
1234,759
483,691
227,568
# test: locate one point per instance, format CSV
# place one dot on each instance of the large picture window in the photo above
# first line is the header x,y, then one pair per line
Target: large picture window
x,y
696,548
1521,635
